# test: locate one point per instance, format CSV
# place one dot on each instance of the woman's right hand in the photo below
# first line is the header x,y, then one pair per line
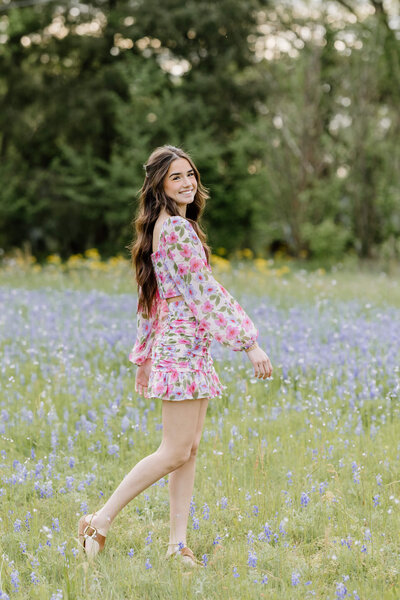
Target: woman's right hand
x,y
142,378
261,363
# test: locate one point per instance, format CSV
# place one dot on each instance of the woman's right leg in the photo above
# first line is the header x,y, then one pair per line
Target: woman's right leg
x,y
179,421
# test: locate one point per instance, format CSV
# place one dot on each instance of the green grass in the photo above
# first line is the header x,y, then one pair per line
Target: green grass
x,y
273,432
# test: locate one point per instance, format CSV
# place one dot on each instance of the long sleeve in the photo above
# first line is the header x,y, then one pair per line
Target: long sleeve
x,y
147,329
212,305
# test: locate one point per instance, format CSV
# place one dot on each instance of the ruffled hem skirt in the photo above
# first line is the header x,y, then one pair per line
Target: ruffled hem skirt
x,y
182,366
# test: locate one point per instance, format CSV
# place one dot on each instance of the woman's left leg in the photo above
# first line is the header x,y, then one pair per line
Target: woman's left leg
x,y
180,484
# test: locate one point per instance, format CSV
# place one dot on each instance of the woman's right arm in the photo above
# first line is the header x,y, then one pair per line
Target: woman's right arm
x,y
146,330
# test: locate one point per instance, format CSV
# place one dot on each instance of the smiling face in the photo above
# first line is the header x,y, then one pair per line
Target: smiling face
x,y
180,183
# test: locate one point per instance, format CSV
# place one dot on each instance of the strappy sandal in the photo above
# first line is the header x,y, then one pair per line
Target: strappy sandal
x,y
86,531
187,556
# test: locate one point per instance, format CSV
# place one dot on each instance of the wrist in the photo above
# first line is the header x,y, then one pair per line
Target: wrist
x,y
252,347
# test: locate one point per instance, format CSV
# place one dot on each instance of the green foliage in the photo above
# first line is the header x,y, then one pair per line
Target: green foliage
x,y
282,144
326,240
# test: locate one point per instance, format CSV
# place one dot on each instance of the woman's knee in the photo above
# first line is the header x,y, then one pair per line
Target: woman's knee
x,y
175,457
194,449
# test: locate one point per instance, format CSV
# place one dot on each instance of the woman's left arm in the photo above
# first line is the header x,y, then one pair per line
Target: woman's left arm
x,y
218,312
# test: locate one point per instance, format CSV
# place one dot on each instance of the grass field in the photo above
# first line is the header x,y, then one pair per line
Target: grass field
x,y
297,488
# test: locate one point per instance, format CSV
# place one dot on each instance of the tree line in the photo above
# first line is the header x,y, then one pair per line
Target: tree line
x,y
290,113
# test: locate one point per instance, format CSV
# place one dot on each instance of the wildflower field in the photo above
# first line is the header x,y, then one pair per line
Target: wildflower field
x,y
297,487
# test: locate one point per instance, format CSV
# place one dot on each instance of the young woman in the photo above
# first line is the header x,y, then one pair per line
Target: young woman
x,y
181,307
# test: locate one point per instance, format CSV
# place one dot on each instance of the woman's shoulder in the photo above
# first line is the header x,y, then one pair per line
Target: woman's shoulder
x,y
177,228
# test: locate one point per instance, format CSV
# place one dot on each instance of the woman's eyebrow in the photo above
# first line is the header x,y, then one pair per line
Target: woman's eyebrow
x,y
172,174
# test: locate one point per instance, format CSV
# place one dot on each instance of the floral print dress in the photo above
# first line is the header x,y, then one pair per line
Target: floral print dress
x,y
177,336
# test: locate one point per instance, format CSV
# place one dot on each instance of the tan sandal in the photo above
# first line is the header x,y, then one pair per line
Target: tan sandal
x,y
187,556
87,532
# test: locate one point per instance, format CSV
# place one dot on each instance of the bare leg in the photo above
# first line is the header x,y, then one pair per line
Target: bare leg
x,y
180,485
179,428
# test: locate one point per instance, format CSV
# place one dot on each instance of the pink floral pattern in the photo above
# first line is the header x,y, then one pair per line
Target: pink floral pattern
x,y
181,268
182,366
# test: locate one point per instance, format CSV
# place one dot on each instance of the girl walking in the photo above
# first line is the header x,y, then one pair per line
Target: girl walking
x,y
181,307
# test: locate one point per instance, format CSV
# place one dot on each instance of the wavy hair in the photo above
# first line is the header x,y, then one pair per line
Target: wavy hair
x,y
152,199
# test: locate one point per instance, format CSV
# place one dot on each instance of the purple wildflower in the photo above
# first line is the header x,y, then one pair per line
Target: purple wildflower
x,y
341,590
15,580
252,559
305,499
217,540
295,578
17,525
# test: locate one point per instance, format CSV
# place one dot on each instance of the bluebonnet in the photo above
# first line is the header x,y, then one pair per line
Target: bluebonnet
x,y
223,502
267,532
27,517
15,580
295,578
367,535
216,540
61,548
113,449
55,524
17,525
192,508
235,572
305,499
356,472
250,537
252,559
341,590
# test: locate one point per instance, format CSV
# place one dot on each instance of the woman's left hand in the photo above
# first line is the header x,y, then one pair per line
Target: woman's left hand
x,y
142,378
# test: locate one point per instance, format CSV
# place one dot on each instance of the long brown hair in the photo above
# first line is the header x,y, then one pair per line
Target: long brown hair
x,y
152,198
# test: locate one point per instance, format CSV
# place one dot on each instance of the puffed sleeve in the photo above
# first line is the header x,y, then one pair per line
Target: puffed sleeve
x,y
218,312
147,329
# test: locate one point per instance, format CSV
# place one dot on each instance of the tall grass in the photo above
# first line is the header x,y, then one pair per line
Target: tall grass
x,y
297,485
